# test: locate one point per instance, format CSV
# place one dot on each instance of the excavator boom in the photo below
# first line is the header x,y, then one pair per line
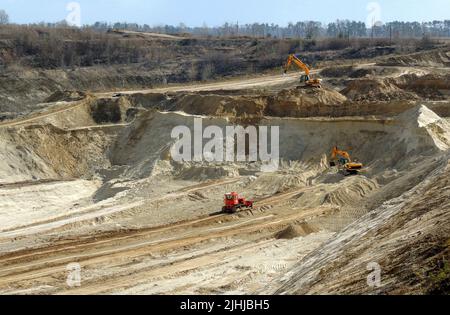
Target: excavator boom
x,y
338,153
294,59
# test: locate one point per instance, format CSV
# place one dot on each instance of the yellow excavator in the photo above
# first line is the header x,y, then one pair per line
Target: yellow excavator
x,y
342,160
306,78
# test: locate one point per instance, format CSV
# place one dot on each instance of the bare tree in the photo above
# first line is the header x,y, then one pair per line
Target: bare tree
x,y
4,17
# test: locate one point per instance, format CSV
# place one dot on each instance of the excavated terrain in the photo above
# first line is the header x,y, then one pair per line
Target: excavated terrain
x,y
90,179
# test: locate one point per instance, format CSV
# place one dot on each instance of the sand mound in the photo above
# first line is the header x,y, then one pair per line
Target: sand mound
x,y
206,172
353,194
430,86
299,102
439,58
294,231
337,71
354,72
373,90
311,96
249,108
220,105
303,102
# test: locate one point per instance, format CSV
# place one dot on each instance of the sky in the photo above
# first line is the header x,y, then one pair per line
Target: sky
x,y
217,12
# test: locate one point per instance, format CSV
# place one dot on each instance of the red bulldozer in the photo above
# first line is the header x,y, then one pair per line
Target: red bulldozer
x,y
233,203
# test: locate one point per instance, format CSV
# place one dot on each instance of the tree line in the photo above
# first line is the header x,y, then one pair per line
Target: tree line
x,y
304,29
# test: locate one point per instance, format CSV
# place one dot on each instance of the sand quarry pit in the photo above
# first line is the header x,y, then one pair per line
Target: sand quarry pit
x,y
93,182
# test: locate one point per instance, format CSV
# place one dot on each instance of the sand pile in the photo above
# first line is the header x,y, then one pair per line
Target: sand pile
x,y
294,231
437,58
296,103
354,72
352,194
303,102
310,96
337,71
430,86
373,90
221,105
299,102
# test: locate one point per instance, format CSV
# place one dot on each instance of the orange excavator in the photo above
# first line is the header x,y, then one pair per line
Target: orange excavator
x,y
342,160
306,78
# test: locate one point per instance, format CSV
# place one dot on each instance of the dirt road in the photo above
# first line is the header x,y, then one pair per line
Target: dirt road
x,y
58,109
265,81
232,84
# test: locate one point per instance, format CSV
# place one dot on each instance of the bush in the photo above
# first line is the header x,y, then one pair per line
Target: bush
x,y
69,47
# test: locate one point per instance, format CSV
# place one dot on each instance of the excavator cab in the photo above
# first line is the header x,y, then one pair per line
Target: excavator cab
x,y
304,78
341,161
231,203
